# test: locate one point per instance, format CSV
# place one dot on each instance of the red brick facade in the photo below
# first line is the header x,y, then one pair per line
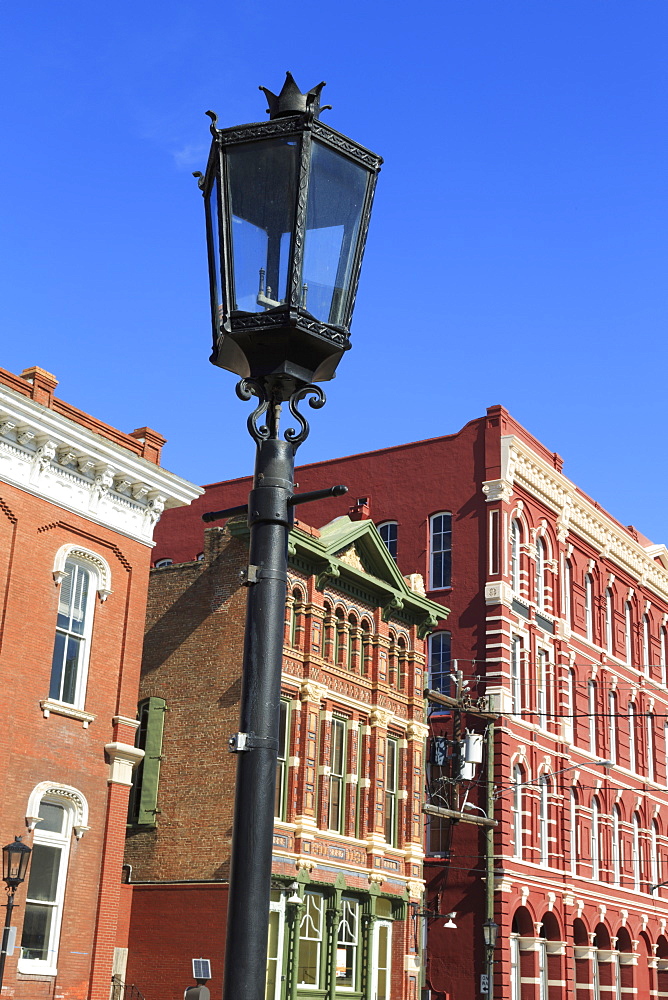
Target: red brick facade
x,y
66,485
560,614
348,835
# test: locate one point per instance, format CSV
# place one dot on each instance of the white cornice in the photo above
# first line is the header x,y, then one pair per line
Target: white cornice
x,y
521,465
52,457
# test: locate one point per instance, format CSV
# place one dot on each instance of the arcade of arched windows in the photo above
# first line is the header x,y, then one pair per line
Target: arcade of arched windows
x,y
550,957
587,828
353,641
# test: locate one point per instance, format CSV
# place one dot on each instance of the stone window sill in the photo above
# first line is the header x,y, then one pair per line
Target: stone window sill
x,y
59,708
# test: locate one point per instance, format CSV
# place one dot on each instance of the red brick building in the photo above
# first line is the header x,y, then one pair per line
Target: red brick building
x,y
348,852
559,613
78,504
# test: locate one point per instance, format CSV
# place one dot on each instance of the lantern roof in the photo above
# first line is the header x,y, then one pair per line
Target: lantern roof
x,y
291,101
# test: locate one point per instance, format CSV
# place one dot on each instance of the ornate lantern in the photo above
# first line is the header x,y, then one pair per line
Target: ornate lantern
x,y
15,858
288,203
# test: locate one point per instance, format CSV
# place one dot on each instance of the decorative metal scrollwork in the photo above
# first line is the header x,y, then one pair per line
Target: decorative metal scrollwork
x,y
316,401
270,404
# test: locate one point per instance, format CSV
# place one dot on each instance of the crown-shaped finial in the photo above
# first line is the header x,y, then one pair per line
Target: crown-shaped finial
x,y
291,101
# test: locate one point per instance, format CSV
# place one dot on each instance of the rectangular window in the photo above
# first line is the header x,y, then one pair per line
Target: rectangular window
x,y
73,627
143,806
337,776
311,926
541,687
440,649
46,890
391,769
281,794
440,548
516,674
346,945
591,711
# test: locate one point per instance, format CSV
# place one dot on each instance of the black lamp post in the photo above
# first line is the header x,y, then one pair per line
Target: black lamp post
x,y
490,929
15,858
288,203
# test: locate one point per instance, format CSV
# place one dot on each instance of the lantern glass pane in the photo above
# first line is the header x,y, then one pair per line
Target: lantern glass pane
x,y
263,194
213,234
337,188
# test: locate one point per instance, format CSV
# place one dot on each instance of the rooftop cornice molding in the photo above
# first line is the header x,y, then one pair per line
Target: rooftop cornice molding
x,y
52,457
521,465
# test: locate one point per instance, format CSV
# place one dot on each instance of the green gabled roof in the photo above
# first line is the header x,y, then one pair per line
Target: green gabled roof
x,y
352,555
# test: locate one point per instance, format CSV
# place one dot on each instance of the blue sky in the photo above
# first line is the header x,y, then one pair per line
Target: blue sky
x,y
518,249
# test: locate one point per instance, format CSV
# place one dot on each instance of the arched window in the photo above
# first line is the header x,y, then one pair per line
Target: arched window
x,y
388,532
628,629
612,726
571,729
542,687
163,563
516,674
393,660
79,580
353,643
662,655
568,590
544,819
367,648
296,617
608,621
595,841
518,806
401,662
439,661
616,846
340,640
646,656
540,574
574,831
654,856
591,711
57,812
631,712
440,550
650,746
636,856
515,547
589,607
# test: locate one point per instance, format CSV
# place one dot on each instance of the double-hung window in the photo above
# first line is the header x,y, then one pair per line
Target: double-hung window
x,y
280,802
388,532
440,661
515,545
540,574
516,674
440,550
311,930
589,607
346,945
391,789
74,624
46,888
337,775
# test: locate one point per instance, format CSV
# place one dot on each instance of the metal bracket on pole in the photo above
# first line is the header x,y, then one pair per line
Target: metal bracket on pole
x,y
241,742
293,501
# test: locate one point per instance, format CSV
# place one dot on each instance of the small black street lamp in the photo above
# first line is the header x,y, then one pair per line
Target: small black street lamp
x,y
490,929
288,203
15,858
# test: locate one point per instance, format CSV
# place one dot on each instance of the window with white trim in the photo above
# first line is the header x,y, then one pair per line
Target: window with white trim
x,y
515,559
654,856
628,626
612,726
337,776
74,625
540,574
46,887
589,607
281,792
389,533
515,968
616,846
311,929
662,655
516,674
631,712
574,831
391,790
650,745
591,711
346,945
543,819
608,620
440,551
518,806
542,699
568,590
637,860
645,645
595,841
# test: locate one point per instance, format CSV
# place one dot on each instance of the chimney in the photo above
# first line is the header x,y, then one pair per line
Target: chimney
x,y
362,509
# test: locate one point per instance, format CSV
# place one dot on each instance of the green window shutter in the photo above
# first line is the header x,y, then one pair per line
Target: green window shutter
x,y
148,789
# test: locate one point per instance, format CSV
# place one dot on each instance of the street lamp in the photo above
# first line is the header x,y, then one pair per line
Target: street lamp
x,y
287,205
15,858
490,929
